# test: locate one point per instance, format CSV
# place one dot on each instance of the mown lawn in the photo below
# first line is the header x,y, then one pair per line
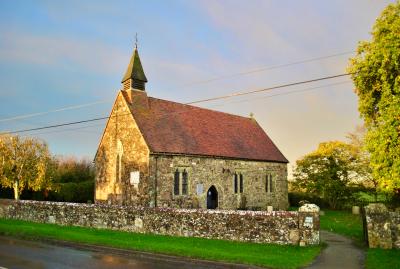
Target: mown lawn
x,y
350,225
268,255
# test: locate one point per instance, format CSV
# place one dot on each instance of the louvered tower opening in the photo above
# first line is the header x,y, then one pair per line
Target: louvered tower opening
x,y
137,84
127,85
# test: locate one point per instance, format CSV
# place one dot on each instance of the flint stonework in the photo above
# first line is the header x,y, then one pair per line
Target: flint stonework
x,y
279,227
382,226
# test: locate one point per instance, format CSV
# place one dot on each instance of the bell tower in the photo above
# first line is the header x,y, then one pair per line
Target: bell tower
x,y
134,77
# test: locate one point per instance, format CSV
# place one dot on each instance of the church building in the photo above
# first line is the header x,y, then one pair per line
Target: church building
x,y
159,153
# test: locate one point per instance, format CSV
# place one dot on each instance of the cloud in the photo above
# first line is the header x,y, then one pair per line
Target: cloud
x,y
55,51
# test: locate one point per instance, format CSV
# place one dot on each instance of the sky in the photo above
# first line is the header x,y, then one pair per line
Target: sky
x,y
64,54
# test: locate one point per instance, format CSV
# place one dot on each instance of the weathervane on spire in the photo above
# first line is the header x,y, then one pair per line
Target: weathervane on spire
x,y
136,40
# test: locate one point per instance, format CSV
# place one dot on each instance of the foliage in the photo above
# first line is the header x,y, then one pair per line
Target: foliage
x,y
72,181
328,172
70,169
376,75
25,163
81,192
296,197
268,255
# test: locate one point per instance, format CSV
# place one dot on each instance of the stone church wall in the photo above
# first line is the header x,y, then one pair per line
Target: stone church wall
x,y
122,138
280,227
205,172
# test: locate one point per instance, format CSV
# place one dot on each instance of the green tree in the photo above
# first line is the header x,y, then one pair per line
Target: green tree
x,y
24,164
328,172
362,166
376,75
73,180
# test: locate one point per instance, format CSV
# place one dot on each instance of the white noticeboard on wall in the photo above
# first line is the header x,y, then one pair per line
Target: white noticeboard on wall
x,y
135,178
199,189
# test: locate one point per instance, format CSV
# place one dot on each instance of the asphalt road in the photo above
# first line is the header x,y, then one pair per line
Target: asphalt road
x,y
16,253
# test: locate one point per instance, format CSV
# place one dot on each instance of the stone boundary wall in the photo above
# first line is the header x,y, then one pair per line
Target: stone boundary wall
x,y
382,227
280,227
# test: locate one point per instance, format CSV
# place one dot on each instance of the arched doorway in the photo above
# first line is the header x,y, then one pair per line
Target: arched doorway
x,y
212,198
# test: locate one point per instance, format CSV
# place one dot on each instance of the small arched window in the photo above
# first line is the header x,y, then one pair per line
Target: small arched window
x,y
184,182
235,183
241,182
176,182
118,169
271,183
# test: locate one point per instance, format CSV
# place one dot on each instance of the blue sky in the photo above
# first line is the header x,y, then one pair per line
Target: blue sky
x,y
57,54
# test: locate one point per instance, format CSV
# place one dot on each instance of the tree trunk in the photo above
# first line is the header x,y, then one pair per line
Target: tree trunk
x,y
16,190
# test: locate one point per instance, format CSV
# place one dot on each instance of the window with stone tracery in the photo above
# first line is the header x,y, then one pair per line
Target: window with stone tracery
x,y
269,183
176,182
181,181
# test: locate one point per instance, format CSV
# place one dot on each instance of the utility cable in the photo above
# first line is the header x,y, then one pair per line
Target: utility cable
x,y
193,102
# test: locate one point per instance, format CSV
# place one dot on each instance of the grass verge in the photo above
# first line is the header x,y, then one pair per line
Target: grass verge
x,y
268,255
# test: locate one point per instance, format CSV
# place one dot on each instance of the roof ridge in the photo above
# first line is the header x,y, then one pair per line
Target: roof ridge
x,y
202,108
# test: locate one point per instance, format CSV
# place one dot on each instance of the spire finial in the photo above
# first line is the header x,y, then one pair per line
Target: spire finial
x,y
136,40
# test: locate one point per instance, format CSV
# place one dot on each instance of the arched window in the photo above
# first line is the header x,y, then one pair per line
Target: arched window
x,y
269,183
176,182
241,182
235,183
184,182
117,169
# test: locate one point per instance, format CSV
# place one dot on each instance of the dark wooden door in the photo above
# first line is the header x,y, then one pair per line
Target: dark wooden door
x,y
212,198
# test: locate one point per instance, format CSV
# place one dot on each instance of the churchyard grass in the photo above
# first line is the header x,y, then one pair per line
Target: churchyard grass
x,y
344,223
382,258
268,255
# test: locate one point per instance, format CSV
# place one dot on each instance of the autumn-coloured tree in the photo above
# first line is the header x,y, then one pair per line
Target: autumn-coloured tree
x,y
376,74
25,163
328,172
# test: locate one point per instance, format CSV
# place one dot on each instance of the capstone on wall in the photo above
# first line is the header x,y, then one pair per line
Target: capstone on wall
x,y
280,227
204,172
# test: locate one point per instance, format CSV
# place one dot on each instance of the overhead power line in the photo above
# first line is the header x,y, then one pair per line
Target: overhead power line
x,y
266,89
58,125
288,93
216,105
24,116
193,102
262,69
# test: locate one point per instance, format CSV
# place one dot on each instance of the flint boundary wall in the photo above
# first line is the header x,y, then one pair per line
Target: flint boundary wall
x,y
382,227
280,227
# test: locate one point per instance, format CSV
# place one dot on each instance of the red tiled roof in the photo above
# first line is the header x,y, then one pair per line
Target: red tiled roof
x,y
175,128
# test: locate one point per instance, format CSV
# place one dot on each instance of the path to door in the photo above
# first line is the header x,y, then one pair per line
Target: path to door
x,y
340,253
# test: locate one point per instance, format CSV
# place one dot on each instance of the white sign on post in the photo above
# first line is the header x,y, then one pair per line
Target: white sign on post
x,y
308,222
